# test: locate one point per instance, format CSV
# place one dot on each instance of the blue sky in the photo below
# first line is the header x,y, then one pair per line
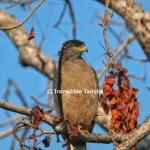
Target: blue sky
x,y
33,83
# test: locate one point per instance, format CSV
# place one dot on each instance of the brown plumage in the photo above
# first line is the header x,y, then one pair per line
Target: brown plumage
x,y
75,74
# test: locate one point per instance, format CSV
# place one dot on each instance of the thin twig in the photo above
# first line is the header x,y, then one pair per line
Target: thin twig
x,y
6,133
12,119
24,111
72,18
104,22
115,34
14,4
109,64
137,59
132,138
136,77
17,90
61,16
25,49
109,21
9,28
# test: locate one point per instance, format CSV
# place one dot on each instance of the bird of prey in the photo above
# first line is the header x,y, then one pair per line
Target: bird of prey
x,y
75,74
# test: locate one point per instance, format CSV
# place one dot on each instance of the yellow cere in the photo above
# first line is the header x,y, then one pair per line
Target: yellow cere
x,y
80,47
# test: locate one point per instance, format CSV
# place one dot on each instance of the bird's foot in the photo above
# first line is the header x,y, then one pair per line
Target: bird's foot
x,y
81,131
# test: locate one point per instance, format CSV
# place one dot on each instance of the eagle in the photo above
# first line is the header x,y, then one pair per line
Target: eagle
x,y
74,82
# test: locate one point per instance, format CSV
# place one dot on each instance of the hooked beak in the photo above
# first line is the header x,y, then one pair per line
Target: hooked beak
x,y
85,49
81,48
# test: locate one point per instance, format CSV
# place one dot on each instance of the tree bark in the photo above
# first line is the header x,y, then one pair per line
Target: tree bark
x,y
30,55
137,20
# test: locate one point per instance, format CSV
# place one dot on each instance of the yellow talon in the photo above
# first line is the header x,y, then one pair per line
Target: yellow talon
x,y
82,131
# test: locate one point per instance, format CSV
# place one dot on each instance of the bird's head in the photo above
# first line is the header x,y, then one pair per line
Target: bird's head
x,y
73,48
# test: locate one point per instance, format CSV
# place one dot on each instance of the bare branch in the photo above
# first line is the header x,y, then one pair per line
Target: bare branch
x,y
137,59
61,16
6,133
72,18
14,4
137,20
17,90
16,26
23,3
15,108
136,77
29,53
128,140
117,53
104,22
138,134
27,125
110,21
24,111
12,119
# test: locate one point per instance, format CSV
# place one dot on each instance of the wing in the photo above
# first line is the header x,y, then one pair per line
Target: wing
x,y
55,85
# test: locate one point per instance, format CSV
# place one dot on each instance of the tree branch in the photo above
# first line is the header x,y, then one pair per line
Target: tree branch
x,y
137,20
12,119
72,18
116,54
61,15
23,111
138,134
127,140
6,133
29,53
30,14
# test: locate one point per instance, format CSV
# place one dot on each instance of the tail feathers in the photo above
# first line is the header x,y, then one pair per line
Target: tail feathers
x,y
77,146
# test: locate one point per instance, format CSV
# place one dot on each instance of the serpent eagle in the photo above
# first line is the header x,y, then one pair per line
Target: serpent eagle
x,y
73,74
